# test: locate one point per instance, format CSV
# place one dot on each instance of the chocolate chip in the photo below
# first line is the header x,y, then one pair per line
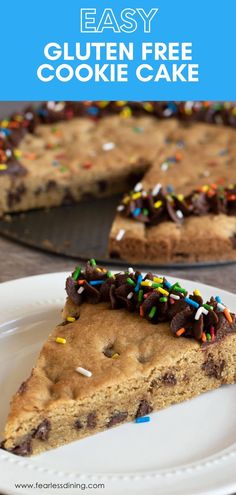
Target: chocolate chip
x,y
68,198
144,408
108,351
117,418
169,379
51,184
153,384
92,420
102,186
22,387
212,368
78,425
182,255
24,449
233,240
143,359
42,431
14,196
38,191
114,254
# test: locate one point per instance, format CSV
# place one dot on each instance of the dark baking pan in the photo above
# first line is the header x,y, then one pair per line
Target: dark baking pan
x,y
78,231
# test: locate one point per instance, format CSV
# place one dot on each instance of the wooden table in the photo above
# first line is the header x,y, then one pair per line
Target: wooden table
x,y
19,261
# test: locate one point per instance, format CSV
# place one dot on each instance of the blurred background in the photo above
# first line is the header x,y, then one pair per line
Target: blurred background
x,y
7,107
19,260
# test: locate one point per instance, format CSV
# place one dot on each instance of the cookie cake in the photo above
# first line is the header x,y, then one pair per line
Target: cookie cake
x,y
127,345
174,162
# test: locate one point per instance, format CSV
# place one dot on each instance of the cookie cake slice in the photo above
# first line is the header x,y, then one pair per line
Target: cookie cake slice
x,y
128,345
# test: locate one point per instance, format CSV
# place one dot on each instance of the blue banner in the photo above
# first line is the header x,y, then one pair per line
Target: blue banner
x,y
77,50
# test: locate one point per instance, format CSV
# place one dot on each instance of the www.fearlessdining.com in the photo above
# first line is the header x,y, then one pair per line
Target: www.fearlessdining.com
x,y
62,486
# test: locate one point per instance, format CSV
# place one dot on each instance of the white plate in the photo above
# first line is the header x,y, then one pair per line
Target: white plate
x,y
187,449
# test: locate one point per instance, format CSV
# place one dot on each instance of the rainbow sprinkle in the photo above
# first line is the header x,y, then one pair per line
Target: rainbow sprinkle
x,y
142,419
60,340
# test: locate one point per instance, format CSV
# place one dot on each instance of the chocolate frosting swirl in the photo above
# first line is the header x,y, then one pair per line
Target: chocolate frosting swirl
x,y
153,208
155,299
